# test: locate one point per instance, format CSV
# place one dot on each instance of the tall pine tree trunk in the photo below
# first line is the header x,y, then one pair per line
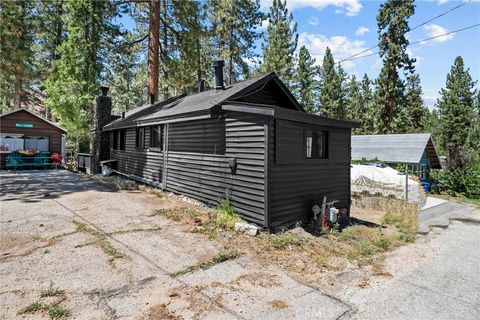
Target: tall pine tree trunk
x,y
153,50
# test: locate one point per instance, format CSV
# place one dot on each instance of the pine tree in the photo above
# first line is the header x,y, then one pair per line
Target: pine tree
x,y
412,112
73,83
126,75
369,112
353,100
456,111
281,42
234,25
17,39
392,23
332,100
305,82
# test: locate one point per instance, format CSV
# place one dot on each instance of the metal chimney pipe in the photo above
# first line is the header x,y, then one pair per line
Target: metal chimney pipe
x,y
104,90
152,98
218,67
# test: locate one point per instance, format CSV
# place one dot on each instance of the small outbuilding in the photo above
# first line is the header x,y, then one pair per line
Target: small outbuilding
x,y
415,149
21,129
250,142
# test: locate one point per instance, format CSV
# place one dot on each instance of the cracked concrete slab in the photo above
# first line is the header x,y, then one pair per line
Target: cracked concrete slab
x,y
435,278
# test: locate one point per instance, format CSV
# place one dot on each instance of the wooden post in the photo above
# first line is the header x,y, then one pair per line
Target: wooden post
x,y
406,182
153,49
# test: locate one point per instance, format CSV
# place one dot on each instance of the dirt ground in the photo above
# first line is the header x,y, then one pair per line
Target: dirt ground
x,y
72,247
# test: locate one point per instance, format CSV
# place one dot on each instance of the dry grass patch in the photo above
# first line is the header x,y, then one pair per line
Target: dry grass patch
x,y
209,222
278,304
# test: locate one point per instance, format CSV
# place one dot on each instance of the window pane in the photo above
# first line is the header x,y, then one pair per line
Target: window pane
x,y
123,134
115,140
319,147
156,136
309,146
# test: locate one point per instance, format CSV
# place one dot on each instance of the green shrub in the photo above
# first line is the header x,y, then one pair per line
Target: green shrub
x,y
464,181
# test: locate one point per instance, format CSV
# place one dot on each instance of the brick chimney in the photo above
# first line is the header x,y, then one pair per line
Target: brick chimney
x,y
101,140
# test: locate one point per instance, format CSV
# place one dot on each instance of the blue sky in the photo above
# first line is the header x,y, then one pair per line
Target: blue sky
x,y
349,26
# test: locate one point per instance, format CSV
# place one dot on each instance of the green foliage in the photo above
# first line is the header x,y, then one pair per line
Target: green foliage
x,y
234,30
51,291
73,83
281,42
411,114
226,216
456,180
332,99
55,311
457,114
17,37
305,83
392,21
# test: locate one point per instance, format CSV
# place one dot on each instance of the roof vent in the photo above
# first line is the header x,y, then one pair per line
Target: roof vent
x,y
218,67
123,114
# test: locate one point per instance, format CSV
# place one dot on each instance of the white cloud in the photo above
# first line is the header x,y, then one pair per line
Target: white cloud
x,y
351,7
341,46
430,97
434,30
362,30
313,21
442,1
263,26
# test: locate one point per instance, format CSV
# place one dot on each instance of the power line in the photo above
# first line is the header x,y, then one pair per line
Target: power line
x,y
414,28
419,41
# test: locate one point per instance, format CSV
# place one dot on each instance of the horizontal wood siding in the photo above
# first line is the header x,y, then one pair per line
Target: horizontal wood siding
x,y
297,185
139,162
200,136
208,177
40,128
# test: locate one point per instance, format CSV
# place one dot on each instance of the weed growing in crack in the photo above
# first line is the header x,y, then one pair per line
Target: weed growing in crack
x,y
219,258
51,291
54,310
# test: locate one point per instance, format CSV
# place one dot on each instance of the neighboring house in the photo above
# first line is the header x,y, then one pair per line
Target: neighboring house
x,y
21,129
250,142
415,149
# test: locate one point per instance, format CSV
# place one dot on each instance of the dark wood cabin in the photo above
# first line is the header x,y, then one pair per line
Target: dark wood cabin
x,y
21,129
251,142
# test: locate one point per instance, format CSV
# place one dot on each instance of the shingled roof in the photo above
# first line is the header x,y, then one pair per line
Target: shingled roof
x,y
395,148
199,103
